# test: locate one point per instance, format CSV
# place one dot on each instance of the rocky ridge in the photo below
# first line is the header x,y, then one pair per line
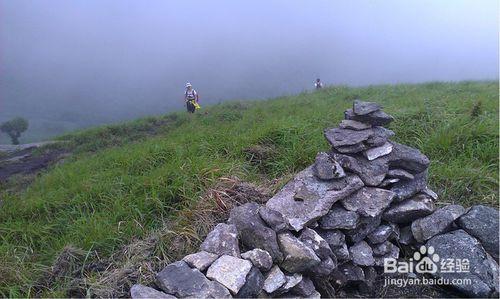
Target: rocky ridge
x,y
331,228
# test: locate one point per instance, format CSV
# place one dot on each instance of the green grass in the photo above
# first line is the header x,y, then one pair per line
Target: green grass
x,y
125,180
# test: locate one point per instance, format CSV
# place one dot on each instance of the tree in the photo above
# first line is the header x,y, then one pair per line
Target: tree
x,y
14,128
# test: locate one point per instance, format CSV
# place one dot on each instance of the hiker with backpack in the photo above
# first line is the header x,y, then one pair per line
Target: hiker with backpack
x,y
318,84
191,98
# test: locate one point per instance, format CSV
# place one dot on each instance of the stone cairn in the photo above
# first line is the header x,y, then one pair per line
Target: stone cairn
x,y
333,225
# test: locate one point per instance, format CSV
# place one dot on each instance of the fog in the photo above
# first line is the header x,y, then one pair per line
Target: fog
x,y
66,64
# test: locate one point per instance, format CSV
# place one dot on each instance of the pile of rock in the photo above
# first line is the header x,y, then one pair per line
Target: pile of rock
x,y
335,223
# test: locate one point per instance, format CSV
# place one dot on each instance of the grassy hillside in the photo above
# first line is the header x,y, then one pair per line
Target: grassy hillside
x,y
126,180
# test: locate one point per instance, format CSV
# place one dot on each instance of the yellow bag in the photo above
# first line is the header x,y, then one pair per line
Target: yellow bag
x,y
196,105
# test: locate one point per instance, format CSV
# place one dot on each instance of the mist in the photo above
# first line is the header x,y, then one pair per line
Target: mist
x,y
71,64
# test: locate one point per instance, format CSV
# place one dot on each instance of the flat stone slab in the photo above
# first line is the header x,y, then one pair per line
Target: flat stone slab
x,y
376,118
436,223
353,125
372,173
407,188
482,272
377,152
200,260
298,256
367,201
410,209
362,254
407,158
259,258
223,239
300,211
363,108
230,271
274,280
400,174
139,291
339,218
372,137
481,222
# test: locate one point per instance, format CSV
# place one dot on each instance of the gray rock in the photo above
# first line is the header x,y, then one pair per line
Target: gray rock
x,y
370,278
304,288
253,285
379,151
376,136
363,108
327,169
406,236
353,125
223,239
409,210
347,274
408,158
319,245
274,280
252,230
259,258
376,118
387,182
382,249
400,174
483,271
436,223
351,149
139,291
300,213
405,188
372,173
481,222
273,219
336,241
230,271
365,226
180,280
291,281
298,256
362,254
368,201
392,254
325,267
380,234
379,137
430,193
200,260
339,218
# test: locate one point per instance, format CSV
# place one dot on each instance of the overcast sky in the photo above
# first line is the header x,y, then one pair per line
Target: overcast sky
x,y
115,59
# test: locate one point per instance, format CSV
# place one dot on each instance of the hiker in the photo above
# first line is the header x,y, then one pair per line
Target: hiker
x,y
191,98
318,84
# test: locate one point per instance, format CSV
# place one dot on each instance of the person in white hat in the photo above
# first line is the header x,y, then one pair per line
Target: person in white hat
x,y
191,98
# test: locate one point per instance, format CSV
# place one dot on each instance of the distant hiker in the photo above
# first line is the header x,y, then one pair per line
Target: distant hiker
x,y
191,98
318,84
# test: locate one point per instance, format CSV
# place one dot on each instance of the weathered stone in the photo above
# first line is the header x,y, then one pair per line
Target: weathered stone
x,y
430,193
312,239
362,254
304,288
379,151
252,230
200,260
301,213
253,285
379,137
347,273
481,222
274,280
376,118
351,149
408,158
372,173
273,219
392,254
339,218
376,136
387,182
406,236
298,256
336,241
259,258
325,267
409,210
139,291
363,108
407,188
368,201
180,280
291,281
382,249
483,271
230,271
365,226
380,234
327,169
353,125
400,174
223,239
436,223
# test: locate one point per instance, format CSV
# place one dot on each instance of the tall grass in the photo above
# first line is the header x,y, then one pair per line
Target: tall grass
x,y
125,180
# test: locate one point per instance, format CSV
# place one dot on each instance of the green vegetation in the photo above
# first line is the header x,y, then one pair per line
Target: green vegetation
x,y
14,128
126,180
